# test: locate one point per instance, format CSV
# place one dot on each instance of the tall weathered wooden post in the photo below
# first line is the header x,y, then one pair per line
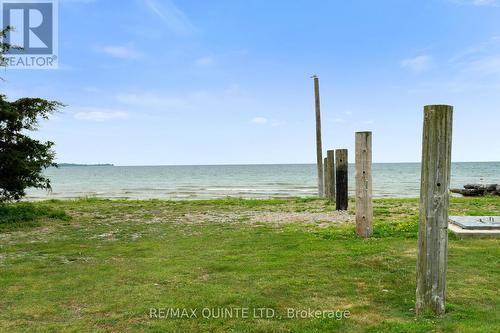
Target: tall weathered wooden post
x,y
364,206
326,180
341,179
319,149
433,225
330,169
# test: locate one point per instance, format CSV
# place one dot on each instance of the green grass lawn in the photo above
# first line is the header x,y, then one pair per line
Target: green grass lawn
x,y
101,265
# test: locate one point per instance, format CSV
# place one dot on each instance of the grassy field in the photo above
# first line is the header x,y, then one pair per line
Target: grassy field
x,y
100,265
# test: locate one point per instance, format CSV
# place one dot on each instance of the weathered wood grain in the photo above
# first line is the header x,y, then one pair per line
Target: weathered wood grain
x,y
330,193
341,179
434,195
319,149
364,205
326,179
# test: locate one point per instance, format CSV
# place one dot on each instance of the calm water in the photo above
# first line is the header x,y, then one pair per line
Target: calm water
x,y
248,181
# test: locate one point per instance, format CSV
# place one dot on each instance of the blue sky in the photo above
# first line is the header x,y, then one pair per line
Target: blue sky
x,y
228,82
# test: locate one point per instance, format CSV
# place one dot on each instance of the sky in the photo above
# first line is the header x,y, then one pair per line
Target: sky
x,y
164,82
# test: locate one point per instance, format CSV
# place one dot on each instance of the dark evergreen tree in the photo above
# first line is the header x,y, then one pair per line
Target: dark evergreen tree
x,y
22,159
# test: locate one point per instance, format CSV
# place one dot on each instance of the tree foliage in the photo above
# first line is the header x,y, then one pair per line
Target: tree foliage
x,y
22,159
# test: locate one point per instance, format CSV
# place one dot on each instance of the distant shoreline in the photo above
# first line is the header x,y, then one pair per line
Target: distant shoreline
x,y
239,165
81,165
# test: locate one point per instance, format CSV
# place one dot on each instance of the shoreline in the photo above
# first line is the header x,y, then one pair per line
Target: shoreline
x,y
287,198
201,199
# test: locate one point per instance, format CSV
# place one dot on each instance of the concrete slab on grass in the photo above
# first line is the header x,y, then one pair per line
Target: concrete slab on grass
x,y
476,222
475,226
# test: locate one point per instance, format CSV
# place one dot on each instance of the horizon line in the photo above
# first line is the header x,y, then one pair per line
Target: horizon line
x,y
240,164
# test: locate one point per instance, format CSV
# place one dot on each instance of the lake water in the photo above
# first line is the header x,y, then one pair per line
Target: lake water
x,y
247,181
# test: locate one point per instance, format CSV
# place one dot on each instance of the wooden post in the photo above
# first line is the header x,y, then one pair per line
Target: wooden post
x,y
330,193
319,149
326,178
433,224
341,177
364,207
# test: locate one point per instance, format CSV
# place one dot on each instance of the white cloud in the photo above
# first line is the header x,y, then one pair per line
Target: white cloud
x,y
171,15
99,114
259,120
474,69
154,102
77,1
481,3
204,61
339,120
120,51
484,2
484,67
477,68
191,100
418,64
150,100
490,46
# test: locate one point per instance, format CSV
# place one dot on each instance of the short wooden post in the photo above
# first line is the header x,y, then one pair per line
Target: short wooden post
x,y
341,179
326,178
319,149
364,207
433,225
330,193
